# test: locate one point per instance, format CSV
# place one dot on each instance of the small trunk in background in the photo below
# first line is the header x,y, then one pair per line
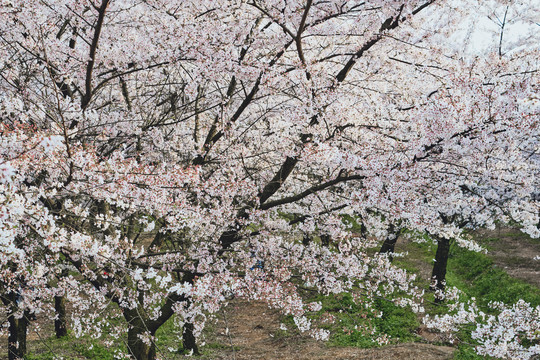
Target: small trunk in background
x,y
60,322
389,243
438,274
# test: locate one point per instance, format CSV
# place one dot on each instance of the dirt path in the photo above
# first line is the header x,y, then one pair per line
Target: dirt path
x,y
253,327
254,333
514,252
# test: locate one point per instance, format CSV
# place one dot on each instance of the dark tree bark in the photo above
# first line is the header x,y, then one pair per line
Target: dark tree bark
x,y
17,336
438,274
138,349
188,339
389,243
325,240
60,323
306,239
17,328
189,342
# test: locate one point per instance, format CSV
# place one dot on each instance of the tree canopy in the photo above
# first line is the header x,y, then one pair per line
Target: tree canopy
x,y
168,156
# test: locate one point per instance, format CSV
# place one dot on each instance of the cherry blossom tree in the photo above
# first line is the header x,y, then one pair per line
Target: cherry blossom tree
x,y
159,158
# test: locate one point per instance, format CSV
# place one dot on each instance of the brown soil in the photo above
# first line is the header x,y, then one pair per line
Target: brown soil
x,y
250,331
514,252
254,333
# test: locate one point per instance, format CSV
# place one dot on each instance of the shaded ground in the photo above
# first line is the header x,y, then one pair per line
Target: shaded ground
x,y
247,331
254,333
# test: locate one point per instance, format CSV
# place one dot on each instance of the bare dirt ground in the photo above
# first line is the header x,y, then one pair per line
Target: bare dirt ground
x,y
254,333
514,252
250,331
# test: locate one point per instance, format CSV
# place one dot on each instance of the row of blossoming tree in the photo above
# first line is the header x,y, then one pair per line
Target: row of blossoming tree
x,y
154,153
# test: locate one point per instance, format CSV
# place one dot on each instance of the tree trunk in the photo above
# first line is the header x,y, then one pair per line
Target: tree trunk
x,y
188,339
17,326
306,239
138,349
17,336
60,323
389,243
325,240
438,275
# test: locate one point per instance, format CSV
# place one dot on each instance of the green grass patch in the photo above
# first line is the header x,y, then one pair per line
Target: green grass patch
x,y
43,356
94,351
71,348
466,352
169,337
476,275
352,323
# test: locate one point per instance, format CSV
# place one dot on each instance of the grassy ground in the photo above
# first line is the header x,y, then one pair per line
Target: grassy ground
x,y
478,276
482,276
249,331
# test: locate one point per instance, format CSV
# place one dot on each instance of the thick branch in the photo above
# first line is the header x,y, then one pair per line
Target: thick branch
x,y
311,190
278,179
390,23
166,312
93,48
298,38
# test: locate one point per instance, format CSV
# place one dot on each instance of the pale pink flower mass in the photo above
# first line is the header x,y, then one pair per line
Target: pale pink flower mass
x,y
174,153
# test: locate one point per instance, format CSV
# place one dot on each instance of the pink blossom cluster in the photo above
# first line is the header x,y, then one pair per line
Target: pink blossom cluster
x,y
174,154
